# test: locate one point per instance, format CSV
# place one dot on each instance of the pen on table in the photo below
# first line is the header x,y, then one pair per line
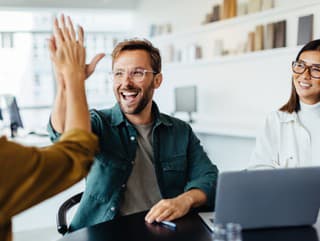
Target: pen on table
x,y
168,224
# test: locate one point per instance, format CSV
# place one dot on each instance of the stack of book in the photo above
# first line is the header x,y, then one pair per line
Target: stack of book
x,y
273,35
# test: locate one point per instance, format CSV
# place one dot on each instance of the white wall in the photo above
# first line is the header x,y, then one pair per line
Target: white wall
x,y
181,14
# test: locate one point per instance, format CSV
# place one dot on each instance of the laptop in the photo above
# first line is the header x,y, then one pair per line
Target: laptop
x,y
267,198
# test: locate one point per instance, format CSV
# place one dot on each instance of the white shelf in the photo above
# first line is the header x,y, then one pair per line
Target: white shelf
x,y
250,56
223,24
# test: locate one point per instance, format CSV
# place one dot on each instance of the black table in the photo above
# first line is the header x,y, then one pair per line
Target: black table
x,y
189,228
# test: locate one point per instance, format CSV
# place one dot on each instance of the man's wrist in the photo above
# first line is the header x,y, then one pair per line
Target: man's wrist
x,y
187,198
195,197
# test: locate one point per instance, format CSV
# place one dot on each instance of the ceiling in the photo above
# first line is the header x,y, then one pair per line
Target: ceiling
x,y
98,4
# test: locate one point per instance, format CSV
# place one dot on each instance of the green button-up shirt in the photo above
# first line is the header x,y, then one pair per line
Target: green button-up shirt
x,y
179,160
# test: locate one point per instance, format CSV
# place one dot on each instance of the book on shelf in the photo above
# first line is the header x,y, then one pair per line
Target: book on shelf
x,y
258,38
229,9
198,52
218,47
267,4
280,34
178,55
254,6
208,18
242,9
305,29
6,40
216,13
269,36
195,52
250,42
168,53
168,28
152,31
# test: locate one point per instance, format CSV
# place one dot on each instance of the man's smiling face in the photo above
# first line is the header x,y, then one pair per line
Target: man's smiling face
x,y
133,96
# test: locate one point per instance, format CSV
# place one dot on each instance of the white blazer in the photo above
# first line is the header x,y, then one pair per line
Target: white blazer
x,y
284,142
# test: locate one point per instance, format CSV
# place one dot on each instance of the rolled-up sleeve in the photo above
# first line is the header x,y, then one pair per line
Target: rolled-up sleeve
x,y
203,173
53,134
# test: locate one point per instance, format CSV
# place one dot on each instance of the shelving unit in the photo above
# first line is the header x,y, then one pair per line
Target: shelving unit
x,y
242,87
259,17
250,56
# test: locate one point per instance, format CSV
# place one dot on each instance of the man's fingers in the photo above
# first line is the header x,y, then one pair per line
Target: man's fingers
x,y
81,35
148,215
92,66
173,216
155,213
71,29
57,32
52,48
54,44
62,21
65,30
164,215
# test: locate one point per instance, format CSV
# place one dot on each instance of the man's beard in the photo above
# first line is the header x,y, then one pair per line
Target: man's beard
x,y
141,104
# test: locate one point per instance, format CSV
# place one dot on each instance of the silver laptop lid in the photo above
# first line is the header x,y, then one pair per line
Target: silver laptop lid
x,y
268,198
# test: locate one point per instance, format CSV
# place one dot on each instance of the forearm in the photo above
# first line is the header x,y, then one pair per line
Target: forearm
x,y
77,114
58,115
194,197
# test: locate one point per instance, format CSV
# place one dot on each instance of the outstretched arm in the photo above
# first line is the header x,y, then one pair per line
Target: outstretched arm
x,y
29,175
58,116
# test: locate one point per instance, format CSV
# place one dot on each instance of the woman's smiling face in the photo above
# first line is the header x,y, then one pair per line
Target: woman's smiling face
x,y
308,87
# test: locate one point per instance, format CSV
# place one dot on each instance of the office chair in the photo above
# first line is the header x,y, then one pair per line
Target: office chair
x,y
62,225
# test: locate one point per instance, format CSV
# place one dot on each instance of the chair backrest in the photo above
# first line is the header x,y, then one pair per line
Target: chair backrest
x,y
62,225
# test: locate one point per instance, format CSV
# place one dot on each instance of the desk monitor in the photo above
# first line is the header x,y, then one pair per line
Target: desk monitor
x,y
14,114
186,100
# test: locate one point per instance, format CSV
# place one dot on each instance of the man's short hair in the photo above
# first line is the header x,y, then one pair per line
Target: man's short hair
x,y
139,44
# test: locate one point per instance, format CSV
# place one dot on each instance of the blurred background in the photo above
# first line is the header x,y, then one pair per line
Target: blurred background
x,y
226,65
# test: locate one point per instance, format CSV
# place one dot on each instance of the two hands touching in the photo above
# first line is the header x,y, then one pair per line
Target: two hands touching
x,y
68,54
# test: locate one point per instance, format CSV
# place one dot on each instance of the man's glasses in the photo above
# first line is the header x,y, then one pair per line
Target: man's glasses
x,y
299,67
137,75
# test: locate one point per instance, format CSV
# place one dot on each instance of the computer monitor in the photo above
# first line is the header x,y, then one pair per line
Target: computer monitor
x,y
14,114
186,100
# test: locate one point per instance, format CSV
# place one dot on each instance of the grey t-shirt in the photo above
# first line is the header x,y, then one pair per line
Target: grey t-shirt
x,y
142,190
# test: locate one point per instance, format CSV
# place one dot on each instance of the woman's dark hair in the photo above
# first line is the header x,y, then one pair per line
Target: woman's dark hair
x,y
293,104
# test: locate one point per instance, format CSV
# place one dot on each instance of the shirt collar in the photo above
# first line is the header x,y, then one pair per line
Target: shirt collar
x,y
117,117
307,107
287,117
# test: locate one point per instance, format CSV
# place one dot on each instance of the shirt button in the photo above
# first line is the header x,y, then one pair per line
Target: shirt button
x,y
112,209
132,138
132,162
123,185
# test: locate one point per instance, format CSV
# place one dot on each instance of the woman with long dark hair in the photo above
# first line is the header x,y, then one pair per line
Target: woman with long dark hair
x,y
291,136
